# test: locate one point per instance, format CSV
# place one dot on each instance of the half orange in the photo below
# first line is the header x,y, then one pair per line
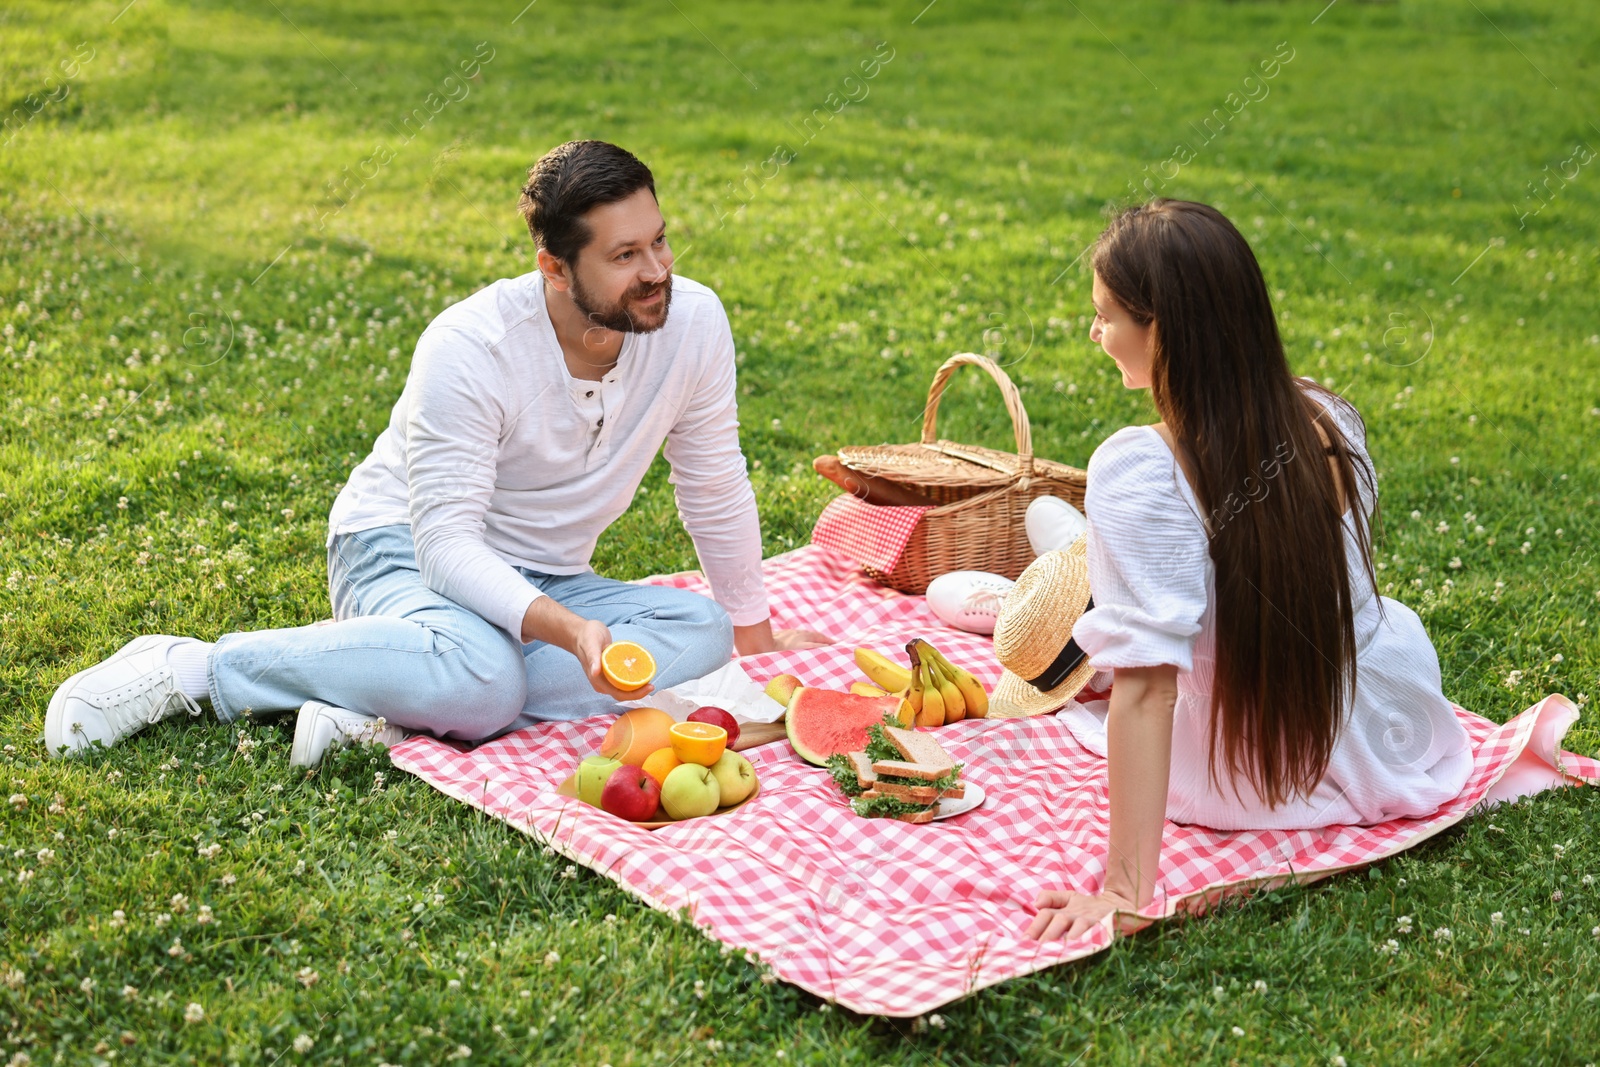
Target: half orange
x,y
698,742
627,665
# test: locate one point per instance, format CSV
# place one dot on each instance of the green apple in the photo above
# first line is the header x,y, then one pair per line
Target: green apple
x,y
735,777
592,775
690,791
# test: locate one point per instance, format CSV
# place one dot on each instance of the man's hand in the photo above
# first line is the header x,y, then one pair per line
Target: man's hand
x,y
760,637
548,621
1067,915
588,642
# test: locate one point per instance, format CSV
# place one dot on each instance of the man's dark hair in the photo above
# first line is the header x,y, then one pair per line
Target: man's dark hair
x,y
569,181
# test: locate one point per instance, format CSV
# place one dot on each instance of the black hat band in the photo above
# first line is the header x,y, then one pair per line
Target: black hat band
x,y
1064,663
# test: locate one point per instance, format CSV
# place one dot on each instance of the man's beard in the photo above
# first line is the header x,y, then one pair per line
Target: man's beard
x,y
625,316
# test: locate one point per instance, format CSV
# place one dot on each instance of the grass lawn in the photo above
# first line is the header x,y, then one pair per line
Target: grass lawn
x,y
223,225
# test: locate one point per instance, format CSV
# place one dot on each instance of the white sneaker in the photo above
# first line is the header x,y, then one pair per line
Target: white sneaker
x,y
969,600
115,698
322,726
1053,524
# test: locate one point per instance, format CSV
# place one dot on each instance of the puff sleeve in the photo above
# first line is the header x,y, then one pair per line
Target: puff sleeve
x,y
1150,569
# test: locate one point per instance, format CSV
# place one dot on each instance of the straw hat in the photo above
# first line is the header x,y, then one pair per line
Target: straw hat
x,y
1044,667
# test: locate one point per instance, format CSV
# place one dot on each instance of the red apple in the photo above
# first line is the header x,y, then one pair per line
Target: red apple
x,y
631,794
718,717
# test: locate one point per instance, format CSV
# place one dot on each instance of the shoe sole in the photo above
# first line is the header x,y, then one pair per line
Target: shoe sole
x,y
300,752
55,713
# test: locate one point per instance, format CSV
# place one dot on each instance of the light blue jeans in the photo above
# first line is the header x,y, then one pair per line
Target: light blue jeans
x,y
424,662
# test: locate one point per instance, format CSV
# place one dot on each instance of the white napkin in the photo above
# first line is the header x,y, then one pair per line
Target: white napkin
x,y
726,687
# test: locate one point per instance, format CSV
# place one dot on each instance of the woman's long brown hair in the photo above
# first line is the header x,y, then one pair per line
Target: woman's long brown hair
x,y
1244,428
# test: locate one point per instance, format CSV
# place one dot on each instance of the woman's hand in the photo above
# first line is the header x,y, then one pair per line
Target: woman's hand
x,y
1067,915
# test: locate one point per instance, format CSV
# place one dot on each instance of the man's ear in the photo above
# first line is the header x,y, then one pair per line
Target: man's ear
x,y
554,271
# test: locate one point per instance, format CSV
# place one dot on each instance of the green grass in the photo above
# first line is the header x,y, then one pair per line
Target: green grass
x,y
179,411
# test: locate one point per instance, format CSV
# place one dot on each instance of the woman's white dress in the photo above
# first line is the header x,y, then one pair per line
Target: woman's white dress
x,y
1399,752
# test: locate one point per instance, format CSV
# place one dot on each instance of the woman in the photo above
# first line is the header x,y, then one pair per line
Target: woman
x,y
1260,680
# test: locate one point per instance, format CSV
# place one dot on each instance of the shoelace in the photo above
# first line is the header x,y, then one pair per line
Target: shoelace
x,y
983,601
162,706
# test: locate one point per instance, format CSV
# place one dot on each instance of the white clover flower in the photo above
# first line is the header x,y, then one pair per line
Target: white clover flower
x,y
570,872
228,879
176,949
1443,934
1337,1061
700,988
1390,947
119,919
87,985
303,1043
1218,992
1558,850
1403,924
936,1021
205,917
180,903
1238,1031
194,1013
1513,680
1260,986
307,977
453,984
130,992
552,958
1497,918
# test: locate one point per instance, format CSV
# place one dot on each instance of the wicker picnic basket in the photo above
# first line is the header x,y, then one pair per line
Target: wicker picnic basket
x,y
981,494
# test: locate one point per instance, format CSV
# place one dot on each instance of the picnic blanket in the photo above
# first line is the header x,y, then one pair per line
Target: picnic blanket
x,y
886,918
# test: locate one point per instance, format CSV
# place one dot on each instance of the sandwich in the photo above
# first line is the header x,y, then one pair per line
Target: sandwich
x,y
900,775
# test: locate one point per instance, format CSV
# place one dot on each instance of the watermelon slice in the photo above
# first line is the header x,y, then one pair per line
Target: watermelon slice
x,y
823,722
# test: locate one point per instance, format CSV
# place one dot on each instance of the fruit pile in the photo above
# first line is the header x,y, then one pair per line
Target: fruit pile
x,y
932,692
652,768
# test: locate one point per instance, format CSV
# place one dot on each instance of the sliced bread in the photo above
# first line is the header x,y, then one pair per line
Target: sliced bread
x,y
863,768
917,794
920,749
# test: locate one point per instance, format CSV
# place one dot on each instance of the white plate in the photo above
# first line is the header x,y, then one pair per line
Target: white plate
x,y
971,799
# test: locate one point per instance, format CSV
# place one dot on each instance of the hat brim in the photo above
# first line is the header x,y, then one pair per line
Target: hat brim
x,y
1014,698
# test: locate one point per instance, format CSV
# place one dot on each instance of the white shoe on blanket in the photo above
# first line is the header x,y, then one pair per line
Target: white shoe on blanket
x,y
1053,524
969,600
115,698
322,726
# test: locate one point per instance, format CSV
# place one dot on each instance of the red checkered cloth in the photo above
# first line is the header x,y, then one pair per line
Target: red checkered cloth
x,y
868,534
892,919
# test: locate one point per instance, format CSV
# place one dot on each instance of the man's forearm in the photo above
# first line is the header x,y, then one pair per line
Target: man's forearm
x,y
757,637
1139,758
547,621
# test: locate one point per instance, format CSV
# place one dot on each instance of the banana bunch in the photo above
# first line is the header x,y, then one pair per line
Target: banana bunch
x,y
938,691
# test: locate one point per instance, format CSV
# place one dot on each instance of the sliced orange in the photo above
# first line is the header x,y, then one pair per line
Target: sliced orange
x,y
698,742
661,763
627,665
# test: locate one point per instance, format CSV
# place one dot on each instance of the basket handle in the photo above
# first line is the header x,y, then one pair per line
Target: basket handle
x,y
1008,390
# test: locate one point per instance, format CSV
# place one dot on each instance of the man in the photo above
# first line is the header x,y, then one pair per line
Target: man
x,y
458,552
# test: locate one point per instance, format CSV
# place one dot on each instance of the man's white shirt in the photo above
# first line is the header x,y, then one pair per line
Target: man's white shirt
x,y
496,456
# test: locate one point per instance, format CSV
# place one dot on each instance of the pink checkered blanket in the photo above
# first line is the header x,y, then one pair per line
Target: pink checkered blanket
x,y
891,919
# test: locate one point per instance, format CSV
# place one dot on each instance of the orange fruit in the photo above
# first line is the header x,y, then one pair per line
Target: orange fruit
x,y
660,763
636,734
627,665
698,742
